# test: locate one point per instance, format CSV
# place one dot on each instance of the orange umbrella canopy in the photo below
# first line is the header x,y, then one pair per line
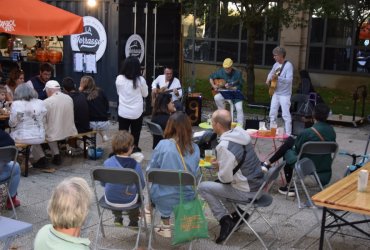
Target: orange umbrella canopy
x,y
36,18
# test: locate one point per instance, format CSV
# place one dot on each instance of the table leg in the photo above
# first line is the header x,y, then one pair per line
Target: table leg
x,y
322,234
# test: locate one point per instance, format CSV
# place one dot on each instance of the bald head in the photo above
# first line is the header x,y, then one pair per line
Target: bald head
x,y
223,118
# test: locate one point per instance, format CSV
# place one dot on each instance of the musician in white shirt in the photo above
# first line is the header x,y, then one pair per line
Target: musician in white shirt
x,y
168,83
283,92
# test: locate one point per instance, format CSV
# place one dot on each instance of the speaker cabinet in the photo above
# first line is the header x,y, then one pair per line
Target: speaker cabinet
x,y
194,108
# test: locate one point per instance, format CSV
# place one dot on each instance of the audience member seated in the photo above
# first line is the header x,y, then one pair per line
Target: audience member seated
x,y
320,131
16,77
2,97
117,195
171,153
27,116
98,106
235,151
163,108
67,209
5,171
59,123
38,82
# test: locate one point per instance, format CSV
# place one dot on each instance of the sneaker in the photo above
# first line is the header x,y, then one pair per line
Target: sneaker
x,y
163,230
265,167
118,221
284,190
134,223
41,163
57,160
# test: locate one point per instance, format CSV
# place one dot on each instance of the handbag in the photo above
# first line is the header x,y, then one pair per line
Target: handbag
x,y
190,221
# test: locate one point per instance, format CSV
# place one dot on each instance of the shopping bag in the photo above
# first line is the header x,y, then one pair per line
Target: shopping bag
x,y
190,221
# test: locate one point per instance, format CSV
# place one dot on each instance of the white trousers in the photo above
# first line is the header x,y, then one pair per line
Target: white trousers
x,y
284,102
220,102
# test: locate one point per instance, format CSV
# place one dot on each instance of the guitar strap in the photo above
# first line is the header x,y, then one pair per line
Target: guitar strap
x,y
282,67
318,134
170,83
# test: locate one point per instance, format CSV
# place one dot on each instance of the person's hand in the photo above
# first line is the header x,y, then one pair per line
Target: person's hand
x,y
155,91
215,165
274,77
176,92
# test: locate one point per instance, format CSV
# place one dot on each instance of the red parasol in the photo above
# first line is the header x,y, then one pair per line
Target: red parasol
x,y
36,18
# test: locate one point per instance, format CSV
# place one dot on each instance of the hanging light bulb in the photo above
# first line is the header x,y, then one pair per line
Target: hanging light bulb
x,y
91,3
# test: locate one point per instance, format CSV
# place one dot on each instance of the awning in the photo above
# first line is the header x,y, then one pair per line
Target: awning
x,y
36,18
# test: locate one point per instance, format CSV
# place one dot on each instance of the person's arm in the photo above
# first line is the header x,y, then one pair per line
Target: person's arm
x,y
226,163
14,117
270,74
214,75
143,87
176,84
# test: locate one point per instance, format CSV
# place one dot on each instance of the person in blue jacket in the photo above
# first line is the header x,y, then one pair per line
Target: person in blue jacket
x,y
118,195
168,154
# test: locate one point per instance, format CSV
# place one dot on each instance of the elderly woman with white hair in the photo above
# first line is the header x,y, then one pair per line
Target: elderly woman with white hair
x,y
67,209
27,116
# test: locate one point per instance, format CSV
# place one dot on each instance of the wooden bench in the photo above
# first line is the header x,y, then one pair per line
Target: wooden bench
x,y
84,137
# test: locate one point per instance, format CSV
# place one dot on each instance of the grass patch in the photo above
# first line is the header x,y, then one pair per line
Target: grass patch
x,y
340,101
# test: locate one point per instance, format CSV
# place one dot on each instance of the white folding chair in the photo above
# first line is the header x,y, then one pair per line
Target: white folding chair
x,y
9,154
123,176
261,199
170,178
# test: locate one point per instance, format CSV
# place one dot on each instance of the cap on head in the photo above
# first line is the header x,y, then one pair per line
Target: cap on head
x,y
227,63
52,84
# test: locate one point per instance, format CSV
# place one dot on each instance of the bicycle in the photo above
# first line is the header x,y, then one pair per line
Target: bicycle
x,y
356,165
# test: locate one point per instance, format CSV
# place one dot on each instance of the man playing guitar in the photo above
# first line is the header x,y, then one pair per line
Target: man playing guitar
x,y
282,74
169,84
231,79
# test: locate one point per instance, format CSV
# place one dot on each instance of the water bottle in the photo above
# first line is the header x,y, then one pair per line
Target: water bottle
x,y
189,89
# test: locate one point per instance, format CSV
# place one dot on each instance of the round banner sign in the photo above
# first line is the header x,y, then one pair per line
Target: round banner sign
x,y
135,47
92,40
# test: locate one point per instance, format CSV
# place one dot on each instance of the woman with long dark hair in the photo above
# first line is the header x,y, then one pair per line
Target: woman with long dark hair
x,y
16,77
163,108
131,88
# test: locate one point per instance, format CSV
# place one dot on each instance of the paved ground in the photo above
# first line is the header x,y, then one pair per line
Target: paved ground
x,y
291,222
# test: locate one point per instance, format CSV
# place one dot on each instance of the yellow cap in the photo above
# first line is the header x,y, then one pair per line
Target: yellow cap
x,y
227,63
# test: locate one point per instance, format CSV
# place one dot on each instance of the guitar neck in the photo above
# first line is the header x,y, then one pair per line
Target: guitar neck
x,y
171,90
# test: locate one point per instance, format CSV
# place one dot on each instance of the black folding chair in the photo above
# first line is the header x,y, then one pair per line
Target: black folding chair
x,y
154,128
169,178
9,154
261,199
117,176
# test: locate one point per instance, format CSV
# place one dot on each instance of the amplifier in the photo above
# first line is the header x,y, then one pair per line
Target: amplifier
x,y
193,108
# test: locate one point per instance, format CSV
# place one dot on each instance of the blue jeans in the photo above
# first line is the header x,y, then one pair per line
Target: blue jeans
x,y
15,179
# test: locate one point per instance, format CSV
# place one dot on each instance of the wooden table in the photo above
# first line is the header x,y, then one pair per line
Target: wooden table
x,y
343,195
4,117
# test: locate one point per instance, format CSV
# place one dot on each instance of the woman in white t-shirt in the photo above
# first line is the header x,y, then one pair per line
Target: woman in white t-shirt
x,y
131,88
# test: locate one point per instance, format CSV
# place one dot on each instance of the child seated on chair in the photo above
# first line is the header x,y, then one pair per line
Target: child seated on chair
x,y
117,195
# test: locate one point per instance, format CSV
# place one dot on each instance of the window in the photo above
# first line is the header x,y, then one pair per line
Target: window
x,y
339,44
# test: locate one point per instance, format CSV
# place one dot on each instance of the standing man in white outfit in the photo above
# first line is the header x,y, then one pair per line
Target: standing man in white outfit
x,y
168,83
283,91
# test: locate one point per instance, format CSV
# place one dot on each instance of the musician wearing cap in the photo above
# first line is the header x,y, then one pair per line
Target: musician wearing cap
x,y
167,83
280,81
231,79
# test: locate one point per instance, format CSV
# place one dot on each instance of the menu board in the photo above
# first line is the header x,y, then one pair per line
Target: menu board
x,y
84,62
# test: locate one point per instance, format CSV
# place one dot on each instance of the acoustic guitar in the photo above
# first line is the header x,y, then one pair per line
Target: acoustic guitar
x,y
221,83
161,90
273,82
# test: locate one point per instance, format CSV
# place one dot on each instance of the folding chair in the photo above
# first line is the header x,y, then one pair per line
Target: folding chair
x,y
306,167
117,176
261,199
312,148
154,128
170,178
8,154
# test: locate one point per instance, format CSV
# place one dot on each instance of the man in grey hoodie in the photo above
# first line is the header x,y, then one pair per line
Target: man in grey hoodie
x,y
239,172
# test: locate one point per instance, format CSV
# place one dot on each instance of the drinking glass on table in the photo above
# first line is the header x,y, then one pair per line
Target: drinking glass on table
x,y
209,155
273,127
